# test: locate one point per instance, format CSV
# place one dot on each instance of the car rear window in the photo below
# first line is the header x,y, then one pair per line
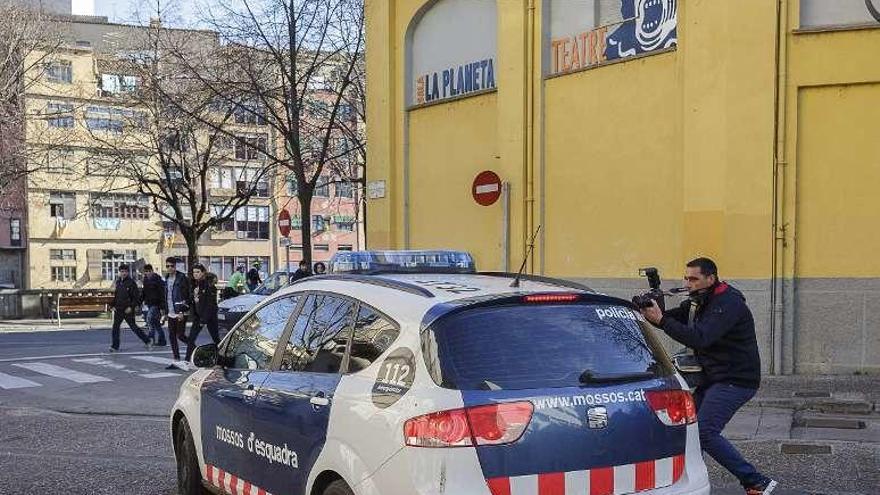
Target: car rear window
x,y
538,346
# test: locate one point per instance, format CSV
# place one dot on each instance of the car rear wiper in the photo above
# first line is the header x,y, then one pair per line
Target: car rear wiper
x,y
589,376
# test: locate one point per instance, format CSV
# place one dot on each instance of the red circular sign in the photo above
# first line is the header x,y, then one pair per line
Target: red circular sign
x,y
486,188
284,222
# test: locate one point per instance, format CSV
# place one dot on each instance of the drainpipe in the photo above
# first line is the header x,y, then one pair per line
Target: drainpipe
x,y
778,301
529,149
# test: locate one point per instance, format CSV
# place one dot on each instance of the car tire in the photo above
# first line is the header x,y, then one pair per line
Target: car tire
x,y
338,487
189,476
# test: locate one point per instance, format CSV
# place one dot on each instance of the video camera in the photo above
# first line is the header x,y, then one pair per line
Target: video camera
x,y
655,294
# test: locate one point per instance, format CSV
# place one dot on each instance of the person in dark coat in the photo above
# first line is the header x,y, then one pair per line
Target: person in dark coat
x,y
301,272
718,325
177,296
154,300
126,300
253,277
204,307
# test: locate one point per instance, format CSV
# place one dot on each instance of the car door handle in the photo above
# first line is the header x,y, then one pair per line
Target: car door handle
x,y
320,401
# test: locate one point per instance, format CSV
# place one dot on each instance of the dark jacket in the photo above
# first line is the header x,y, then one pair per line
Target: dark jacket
x,y
723,337
126,294
180,294
253,277
298,274
205,297
154,291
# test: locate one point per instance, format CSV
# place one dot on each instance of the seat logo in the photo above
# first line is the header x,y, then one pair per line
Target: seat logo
x,y
597,418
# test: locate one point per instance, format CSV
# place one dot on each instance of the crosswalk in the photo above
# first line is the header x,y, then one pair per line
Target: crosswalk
x,y
83,370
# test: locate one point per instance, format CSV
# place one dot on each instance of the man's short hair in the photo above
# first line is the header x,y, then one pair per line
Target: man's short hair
x,y
123,267
303,263
148,267
199,266
171,259
707,267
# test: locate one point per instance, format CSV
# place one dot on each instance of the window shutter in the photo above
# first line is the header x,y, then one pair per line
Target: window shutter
x,y
93,264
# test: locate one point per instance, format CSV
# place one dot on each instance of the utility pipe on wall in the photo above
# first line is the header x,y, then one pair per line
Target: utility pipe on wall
x,y
778,301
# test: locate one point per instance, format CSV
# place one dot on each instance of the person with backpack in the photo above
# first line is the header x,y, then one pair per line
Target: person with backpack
x,y
253,277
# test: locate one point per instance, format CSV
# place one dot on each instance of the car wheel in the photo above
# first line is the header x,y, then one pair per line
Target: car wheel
x,y
189,477
338,487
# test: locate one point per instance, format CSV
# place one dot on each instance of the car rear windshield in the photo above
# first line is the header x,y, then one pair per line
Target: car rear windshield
x,y
538,346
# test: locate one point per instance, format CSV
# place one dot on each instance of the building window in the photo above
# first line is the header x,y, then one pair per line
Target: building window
x,y
253,114
344,222
115,84
318,223
246,178
252,222
322,247
296,221
126,206
110,261
60,115
62,205
344,189
62,254
249,147
15,232
116,120
345,247
322,187
222,266
63,273
221,178
59,72
292,185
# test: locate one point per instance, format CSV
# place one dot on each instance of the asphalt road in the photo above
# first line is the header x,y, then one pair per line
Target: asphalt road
x,y
100,427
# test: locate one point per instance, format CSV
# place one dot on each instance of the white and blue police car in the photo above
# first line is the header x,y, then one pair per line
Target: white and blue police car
x,y
405,373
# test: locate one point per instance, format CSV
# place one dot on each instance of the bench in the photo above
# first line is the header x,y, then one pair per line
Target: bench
x,y
81,303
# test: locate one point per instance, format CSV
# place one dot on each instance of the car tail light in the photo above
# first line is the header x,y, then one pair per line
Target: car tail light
x,y
492,424
550,298
673,407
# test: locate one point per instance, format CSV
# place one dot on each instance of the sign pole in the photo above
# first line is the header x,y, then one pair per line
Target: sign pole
x,y
287,250
505,226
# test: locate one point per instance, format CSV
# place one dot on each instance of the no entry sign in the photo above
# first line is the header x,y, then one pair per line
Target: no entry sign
x,y
486,188
284,223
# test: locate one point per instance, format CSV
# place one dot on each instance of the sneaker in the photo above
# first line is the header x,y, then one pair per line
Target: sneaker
x,y
764,489
113,349
171,367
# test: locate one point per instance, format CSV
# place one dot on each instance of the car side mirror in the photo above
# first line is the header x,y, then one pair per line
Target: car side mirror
x,y
205,356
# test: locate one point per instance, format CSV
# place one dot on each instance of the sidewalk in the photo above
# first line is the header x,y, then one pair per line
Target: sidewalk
x,y
47,325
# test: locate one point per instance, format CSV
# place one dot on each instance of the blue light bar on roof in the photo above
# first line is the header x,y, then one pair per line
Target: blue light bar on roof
x,y
436,261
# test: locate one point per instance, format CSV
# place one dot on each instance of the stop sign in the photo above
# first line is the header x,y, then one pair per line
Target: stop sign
x,y
486,188
284,222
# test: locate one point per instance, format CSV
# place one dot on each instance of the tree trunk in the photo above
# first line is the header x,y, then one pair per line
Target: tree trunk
x,y
192,251
305,208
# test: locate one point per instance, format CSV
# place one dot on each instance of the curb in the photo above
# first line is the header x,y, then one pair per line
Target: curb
x,y
838,406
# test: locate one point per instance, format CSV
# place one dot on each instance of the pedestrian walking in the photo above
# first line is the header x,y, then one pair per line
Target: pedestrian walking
x,y
177,296
253,277
718,325
154,299
126,300
320,268
204,307
301,272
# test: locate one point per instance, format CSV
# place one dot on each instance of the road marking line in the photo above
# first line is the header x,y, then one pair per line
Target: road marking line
x,y
8,382
65,356
155,359
61,372
104,363
163,374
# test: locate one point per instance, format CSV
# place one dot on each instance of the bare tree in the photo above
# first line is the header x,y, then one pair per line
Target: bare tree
x,y
169,138
296,61
28,39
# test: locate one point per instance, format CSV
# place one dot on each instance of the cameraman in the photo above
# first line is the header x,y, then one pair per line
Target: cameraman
x,y
718,325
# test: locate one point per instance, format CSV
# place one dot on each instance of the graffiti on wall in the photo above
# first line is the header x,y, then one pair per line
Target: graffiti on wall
x,y
610,30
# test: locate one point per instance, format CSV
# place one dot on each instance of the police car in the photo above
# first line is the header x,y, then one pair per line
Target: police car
x,y
406,373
